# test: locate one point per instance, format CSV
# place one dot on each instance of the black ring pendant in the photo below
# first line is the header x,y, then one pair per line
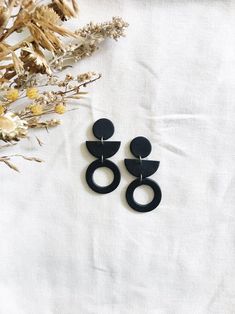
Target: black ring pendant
x,y
139,207
99,164
103,129
141,148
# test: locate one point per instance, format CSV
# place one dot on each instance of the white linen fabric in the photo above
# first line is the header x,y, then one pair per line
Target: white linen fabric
x,y
67,250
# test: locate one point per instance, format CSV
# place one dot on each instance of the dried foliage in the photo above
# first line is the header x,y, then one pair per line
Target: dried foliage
x,y
29,68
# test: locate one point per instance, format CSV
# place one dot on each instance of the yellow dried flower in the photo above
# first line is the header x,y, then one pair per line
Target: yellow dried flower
x,y
32,92
12,94
2,109
36,109
60,108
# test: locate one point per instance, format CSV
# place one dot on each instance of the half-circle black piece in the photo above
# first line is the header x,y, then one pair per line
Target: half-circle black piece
x,y
144,167
90,174
140,147
105,149
139,207
103,128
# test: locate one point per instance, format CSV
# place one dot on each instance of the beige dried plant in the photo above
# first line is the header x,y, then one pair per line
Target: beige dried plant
x,y
31,64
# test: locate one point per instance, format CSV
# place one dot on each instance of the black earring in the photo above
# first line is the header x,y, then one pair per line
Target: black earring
x,y
141,148
103,129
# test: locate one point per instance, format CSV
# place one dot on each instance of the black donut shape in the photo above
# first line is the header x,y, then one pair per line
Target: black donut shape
x,y
139,207
90,176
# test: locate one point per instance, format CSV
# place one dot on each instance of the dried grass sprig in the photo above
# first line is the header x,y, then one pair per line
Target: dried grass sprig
x,y
6,160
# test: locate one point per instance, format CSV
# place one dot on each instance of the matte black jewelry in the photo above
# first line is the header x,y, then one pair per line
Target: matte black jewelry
x,y
141,148
103,129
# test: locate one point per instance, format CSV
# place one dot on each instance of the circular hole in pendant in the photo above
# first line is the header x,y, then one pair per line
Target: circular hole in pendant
x,y
103,176
143,195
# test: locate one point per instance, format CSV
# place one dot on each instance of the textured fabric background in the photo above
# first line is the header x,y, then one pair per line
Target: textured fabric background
x,y
66,250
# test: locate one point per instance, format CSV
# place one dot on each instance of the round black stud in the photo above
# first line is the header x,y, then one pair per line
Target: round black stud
x,y
140,147
139,207
103,128
99,164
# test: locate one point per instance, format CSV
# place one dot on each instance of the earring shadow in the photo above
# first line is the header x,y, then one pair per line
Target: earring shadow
x,y
86,156
127,178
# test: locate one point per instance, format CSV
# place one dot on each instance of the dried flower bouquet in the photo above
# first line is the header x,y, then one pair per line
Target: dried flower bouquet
x,y
29,68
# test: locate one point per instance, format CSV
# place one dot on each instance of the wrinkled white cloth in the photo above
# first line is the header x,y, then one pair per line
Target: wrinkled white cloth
x,y
67,250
